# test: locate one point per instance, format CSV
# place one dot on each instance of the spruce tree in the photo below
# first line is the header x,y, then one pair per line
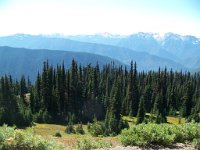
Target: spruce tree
x,y
141,111
113,113
135,96
128,102
187,100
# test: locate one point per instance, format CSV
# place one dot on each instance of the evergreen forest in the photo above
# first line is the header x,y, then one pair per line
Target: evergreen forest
x,y
83,94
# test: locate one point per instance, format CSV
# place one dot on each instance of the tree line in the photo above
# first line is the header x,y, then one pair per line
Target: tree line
x,y
82,93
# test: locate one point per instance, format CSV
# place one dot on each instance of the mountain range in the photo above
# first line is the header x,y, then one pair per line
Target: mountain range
x,y
28,62
184,50
145,60
149,50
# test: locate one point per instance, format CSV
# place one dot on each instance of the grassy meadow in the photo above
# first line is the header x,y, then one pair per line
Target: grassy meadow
x,y
43,136
48,131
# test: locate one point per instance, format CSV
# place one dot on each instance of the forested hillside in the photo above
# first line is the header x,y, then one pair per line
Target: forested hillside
x,y
80,94
20,61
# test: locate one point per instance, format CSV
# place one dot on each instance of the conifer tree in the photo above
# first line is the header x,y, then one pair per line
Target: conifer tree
x,y
187,100
135,96
23,88
128,101
113,113
141,111
147,98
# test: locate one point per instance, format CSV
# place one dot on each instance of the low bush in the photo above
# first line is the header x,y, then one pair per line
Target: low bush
x,y
161,134
196,143
97,128
11,139
79,129
88,145
70,129
58,134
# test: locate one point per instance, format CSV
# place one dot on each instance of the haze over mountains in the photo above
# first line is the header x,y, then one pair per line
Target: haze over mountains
x,y
21,61
149,50
182,49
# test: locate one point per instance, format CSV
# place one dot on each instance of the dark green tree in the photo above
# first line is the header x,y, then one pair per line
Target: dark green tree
x,y
141,111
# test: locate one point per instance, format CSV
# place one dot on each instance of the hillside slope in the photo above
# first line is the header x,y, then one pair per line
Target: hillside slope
x,y
18,61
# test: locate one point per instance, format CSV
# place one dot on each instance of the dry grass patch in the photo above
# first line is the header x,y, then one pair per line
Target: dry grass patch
x,y
175,120
69,140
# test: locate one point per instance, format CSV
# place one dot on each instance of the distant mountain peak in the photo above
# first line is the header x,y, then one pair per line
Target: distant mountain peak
x,y
148,35
105,34
108,35
21,35
144,35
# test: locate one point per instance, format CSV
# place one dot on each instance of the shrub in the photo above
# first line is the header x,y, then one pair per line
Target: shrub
x,y
79,129
70,129
58,134
196,143
161,134
84,145
88,126
123,124
88,145
6,133
11,139
97,128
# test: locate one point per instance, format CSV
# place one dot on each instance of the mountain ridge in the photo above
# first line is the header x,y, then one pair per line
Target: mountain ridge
x,y
21,61
144,60
170,45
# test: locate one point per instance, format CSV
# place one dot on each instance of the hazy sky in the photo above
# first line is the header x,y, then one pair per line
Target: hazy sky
x,y
98,16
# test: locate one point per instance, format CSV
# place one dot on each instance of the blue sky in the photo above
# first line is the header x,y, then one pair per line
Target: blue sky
x,y
98,16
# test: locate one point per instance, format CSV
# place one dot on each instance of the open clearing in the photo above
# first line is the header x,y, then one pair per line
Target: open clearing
x,y
70,140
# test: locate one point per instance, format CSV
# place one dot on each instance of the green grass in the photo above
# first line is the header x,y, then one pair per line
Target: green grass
x,y
170,119
131,120
70,140
48,131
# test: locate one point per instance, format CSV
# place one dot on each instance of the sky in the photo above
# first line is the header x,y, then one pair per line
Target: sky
x,y
72,17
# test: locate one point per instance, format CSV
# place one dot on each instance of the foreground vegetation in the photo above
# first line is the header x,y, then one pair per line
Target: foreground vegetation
x,y
42,136
160,134
11,139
